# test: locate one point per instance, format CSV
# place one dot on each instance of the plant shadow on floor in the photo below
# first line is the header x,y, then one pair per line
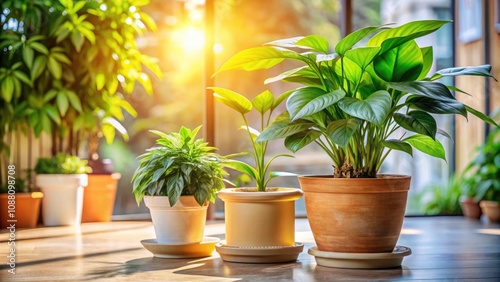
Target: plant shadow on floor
x,y
215,269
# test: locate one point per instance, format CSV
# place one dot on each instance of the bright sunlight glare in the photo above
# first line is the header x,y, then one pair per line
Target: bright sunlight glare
x,y
191,39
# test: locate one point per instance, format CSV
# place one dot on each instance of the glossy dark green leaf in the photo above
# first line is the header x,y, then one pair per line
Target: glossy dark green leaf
x,y
428,56
436,106
374,109
309,100
341,131
481,115
417,121
281,127
299,140
398,145
427,145
431,89
403,63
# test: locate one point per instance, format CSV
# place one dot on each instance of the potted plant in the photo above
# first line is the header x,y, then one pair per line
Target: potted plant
x,y
19,203
484,175
61,179
177,179
273,238
468,202
358,103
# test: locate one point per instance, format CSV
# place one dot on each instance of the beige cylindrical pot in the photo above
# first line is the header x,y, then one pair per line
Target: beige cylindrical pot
x,y
355,215
184,223
63,198
491,209
256,219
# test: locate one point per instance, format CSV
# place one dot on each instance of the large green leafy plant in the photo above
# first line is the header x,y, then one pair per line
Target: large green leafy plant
x,y
356,101
180,165
65,66
264,104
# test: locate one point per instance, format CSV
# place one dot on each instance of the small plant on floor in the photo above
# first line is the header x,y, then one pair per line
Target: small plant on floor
x,y
180,165
264,104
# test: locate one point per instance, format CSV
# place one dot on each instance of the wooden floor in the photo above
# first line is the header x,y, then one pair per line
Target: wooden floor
x,y
444,248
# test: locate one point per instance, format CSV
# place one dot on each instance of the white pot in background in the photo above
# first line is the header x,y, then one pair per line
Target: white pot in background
x,y
63,201
184,223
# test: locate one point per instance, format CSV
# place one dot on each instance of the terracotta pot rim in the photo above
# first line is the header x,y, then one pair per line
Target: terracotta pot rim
x,y
115,175
488,203
380,177
32,195
238,195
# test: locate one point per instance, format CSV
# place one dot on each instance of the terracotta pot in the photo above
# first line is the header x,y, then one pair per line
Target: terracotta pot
x,y
184,223
491,209
63,200
363,215
99,197
255,219
470,207
27,210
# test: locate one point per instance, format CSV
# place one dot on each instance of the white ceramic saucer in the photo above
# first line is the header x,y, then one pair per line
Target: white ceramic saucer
x,y
270,254
203,249
360,260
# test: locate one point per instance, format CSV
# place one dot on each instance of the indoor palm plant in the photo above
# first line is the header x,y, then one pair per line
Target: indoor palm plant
x,y
177,179
61,179
274,207
358,103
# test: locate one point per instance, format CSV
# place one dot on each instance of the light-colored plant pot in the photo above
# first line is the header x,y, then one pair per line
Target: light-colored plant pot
x,y
355,215
470,208
27,209
257,219
491,209
99,197
63,200
184,223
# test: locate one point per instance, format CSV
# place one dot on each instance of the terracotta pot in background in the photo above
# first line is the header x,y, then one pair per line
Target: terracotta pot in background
x,y
355,215
99,197
470,208
491,209
27,209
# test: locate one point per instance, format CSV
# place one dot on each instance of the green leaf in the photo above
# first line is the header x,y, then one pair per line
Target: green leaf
x,y
373,109
100,80
281,127
62,102
351,70
482,70
281,98
38,67
351,39
418,121
427,145
7,88
436,106
403,63
393,37
299,140
256,58
398,145
232,99
39,47
74,101
77,40
481,116
54,68
52,113
341,131
315,42
22,77
109,132
28,55
428,60
431,89
117,126
263,102
242,167
362,56
309,100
